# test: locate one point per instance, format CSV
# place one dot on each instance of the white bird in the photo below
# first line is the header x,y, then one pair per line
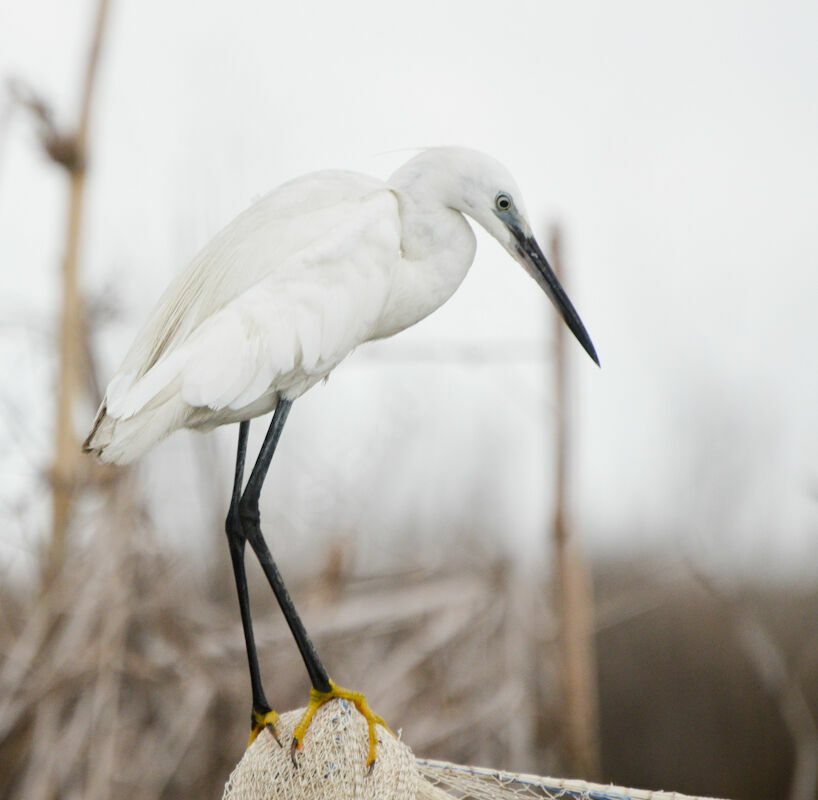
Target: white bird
x,y
277,299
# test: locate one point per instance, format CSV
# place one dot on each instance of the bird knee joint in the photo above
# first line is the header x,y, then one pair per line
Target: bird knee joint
x,y
233,526
248,512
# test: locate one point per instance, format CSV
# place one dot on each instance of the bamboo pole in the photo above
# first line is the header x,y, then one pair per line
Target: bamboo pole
x,y
71,152
574,600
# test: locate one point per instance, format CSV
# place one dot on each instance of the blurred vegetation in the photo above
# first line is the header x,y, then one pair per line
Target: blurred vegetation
x,y
128,675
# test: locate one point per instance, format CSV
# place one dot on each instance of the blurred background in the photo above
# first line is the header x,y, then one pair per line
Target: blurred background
x,y
526,562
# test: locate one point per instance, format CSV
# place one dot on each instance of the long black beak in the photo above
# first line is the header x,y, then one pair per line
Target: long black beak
x,y
538,267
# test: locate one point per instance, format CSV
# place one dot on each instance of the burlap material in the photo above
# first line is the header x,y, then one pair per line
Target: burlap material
x,y
331,764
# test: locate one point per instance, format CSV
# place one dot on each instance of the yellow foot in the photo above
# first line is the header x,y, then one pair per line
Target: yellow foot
x,y
317,699
262,720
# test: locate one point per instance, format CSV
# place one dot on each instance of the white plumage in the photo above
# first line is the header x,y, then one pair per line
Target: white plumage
x,y
277,299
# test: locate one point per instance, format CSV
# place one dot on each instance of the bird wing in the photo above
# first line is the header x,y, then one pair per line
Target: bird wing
x,y
294,283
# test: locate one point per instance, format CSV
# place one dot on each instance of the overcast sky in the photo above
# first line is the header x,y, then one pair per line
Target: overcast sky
x,y
675,143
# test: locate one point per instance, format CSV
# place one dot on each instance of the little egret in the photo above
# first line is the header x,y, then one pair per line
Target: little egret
x,y
277,300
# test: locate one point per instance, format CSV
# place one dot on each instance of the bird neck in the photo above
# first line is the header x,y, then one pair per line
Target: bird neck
x,y
437,249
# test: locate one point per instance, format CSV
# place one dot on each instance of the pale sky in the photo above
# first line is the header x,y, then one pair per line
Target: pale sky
x,y
675,143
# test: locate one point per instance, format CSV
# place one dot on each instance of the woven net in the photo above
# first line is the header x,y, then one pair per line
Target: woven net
x,y
332,766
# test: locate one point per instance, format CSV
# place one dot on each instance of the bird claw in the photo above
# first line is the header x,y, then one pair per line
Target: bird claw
x,y
274,733
357,699
262,720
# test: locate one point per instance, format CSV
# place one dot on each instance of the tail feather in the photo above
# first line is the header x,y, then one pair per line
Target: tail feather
x,y
120,441
101,432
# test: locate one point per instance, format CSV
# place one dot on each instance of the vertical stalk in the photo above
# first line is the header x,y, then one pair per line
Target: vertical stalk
x,y
574,599
71,358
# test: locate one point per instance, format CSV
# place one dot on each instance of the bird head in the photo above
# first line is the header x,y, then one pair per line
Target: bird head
x,y
480,187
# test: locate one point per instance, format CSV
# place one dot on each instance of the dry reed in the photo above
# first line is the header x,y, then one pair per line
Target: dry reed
x,y
127,677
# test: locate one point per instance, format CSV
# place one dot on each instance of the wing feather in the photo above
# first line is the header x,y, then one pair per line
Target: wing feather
x,y
257,243
288,289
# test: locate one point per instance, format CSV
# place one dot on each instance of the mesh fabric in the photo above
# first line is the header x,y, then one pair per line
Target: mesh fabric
x,y
332,766
331,763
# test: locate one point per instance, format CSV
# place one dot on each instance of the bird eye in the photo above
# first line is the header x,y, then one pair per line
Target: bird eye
x,y
503,202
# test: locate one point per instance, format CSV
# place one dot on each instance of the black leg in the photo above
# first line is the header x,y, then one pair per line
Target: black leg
x,y
251,523
236,541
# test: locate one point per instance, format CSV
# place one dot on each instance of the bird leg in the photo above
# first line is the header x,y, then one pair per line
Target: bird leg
x,y
251,522
323,689
262,715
